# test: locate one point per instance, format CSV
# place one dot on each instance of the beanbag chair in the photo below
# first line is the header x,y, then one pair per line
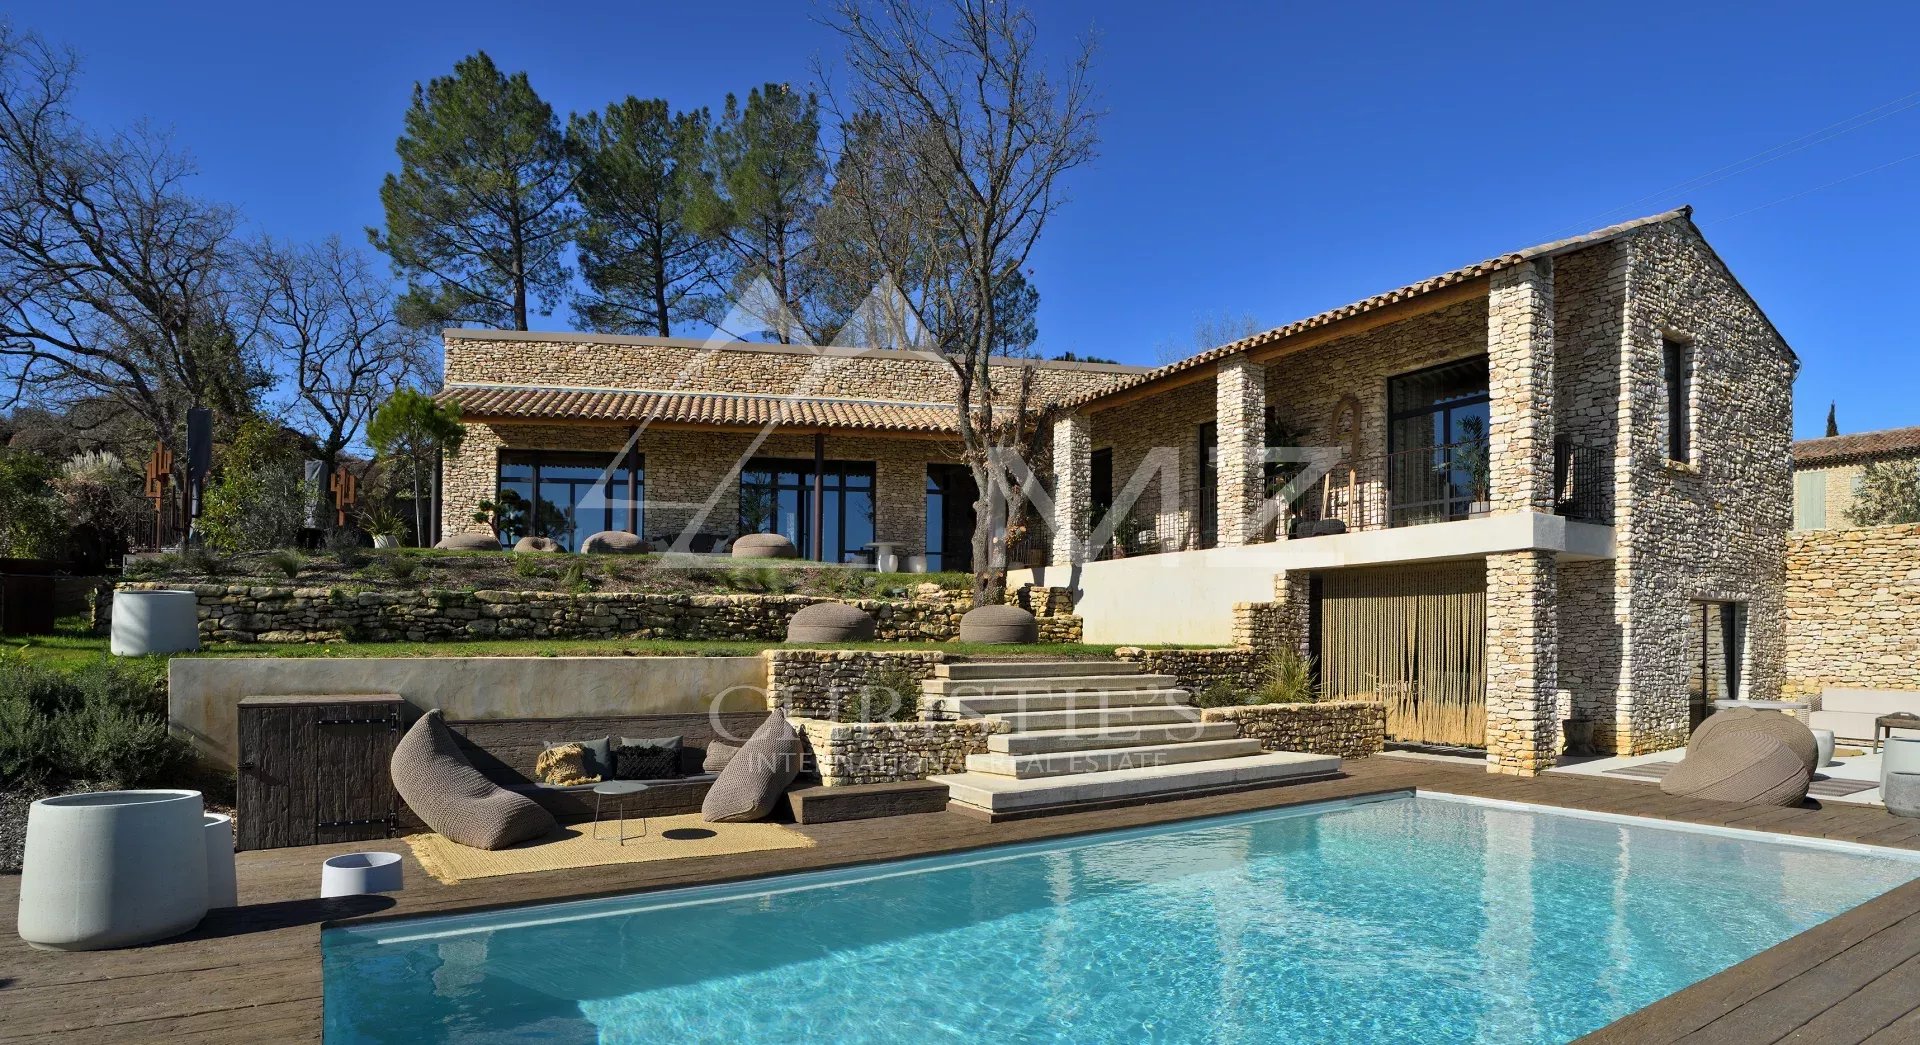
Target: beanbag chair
x,y
1789,731
455,799
1741,767
764,546
756,776
473,541
536,544
613,542
830,622
998,624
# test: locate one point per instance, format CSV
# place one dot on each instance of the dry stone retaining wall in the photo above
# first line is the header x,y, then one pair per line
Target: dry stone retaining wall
x,y
1198,669
1852,609
1347,728
812,683
846,753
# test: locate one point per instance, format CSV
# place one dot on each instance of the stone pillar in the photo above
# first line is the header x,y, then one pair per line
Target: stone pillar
x,y
1522,661
1240,413
1520,384
1072,487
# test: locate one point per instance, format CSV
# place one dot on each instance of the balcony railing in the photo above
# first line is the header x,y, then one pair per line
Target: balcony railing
x,y
1435,484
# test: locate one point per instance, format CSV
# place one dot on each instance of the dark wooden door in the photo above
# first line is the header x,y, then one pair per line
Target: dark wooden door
x,y
314,769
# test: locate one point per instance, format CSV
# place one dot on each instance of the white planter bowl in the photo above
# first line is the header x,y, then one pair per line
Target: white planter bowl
x,y
155,622
358,873
113,869
386,540
223,886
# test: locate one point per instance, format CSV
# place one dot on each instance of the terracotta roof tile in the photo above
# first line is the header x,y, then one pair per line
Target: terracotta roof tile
x,y
1860,446
632,406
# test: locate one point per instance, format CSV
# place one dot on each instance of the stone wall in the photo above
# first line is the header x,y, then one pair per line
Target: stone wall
x,y
1852,609
1199,669
813,683
1348,728
884,752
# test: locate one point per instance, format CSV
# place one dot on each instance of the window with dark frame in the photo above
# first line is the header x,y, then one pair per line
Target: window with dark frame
x,y
776,496
567,495
1209,484
1438,460
1678,359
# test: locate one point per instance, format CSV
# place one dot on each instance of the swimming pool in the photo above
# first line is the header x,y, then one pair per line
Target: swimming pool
x,y
1402,918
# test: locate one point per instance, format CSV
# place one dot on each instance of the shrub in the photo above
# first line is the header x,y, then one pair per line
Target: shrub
x,y
889,693
1289,678
1220,694
401,566
104,722
203,561
257,500
31,518
574,578
287,561
345,545
526,566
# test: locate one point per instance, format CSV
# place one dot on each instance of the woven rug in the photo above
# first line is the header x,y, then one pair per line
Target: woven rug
x,y
1822,787
666,838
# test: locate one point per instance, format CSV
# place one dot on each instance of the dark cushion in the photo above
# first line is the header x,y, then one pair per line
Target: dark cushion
x,y
719,753
647,758
451,797
757,775
1789,731
1740,766
599,752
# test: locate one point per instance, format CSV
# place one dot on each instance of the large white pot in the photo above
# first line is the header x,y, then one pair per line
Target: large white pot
x,y
155,622
113,869
223,886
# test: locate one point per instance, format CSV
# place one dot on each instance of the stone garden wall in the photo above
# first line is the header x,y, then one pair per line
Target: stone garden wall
x,y
276,614
812,683
1852,609
883,752
1348,728
1199,669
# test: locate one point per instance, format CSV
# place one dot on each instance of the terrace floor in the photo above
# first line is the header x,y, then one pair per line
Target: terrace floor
x,y
253,973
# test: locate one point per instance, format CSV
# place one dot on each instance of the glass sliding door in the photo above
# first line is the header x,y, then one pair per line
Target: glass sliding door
x,y
950,496
567,495
1437,425
1716,643
776,496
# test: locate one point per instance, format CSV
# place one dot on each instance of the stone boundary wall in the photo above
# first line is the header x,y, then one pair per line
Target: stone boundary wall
x,y
1852,609
1348,728
284,614
810,683
1197,669
884,752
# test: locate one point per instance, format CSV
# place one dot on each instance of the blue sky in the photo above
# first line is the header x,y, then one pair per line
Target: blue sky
x,y
1272,160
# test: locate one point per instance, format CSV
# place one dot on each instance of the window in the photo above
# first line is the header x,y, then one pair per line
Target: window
x,y
567,496
776,496
1678,365
950,496
1209,484
1716,644
1437,425
1809,500
1101,494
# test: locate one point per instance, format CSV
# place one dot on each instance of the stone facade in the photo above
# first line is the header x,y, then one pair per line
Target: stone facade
x,y
1522,664
276,614
1520,383
1347,728
1852,610
1197,670
885,752
813,683
1072,486
1156,444
1240,405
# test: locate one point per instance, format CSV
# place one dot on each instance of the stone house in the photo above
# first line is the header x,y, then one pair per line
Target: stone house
x,y
1826,472
1548,486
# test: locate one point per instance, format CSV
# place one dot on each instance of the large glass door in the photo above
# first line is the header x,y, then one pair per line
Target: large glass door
x,y
567,496
950,495
1437,425
1716,642
776,496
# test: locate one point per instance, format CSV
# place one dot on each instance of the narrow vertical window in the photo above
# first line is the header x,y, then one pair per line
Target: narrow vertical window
x,y
1679,367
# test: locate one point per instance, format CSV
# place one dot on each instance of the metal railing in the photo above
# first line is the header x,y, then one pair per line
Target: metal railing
x,y
1437,484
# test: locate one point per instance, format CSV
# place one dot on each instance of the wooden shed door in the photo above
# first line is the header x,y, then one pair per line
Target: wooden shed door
x,y
1414,638
315,769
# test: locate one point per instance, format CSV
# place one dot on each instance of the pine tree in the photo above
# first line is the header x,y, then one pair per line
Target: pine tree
x,y
482,207
645,265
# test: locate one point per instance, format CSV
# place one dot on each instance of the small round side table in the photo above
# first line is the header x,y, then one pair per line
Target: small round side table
x,y
621,790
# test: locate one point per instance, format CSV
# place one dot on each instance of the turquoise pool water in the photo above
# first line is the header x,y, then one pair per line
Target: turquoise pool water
x,y
1404,919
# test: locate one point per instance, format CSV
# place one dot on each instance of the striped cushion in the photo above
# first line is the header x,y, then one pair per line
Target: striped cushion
x,y
757,775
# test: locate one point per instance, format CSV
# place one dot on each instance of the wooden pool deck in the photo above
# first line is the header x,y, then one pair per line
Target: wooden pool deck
x,y
253,973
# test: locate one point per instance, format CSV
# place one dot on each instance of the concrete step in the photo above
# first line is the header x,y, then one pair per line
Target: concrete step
x,y
1082,718
1005,794
974,707
1061,763
1047,741
1045,684
1013,669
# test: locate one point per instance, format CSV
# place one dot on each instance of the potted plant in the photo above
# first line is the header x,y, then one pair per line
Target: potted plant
x,y
1470,455
386,526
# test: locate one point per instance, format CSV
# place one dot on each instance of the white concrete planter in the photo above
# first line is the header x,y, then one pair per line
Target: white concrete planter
x,y
113,869
223,886
358,873
155,622
386,540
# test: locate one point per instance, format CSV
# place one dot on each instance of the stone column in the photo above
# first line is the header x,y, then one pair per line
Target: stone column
x,y
1522,661
1520,365
1072,487
1240,413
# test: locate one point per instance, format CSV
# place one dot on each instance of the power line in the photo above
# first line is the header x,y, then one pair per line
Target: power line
x,y
1817,188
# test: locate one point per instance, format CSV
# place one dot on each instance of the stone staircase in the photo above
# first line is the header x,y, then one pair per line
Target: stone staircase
x,y
1094,733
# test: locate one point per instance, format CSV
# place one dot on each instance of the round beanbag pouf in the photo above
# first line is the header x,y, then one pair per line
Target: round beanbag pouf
x,y
1741,767
1789,731
535,545
613,542
472,541
448,794
764,546
998,624
830,622
750,785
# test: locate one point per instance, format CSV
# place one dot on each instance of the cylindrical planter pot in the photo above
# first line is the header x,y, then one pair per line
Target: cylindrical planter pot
x,y
113,869
223,886
155,622
355,874
1901,793
1823,739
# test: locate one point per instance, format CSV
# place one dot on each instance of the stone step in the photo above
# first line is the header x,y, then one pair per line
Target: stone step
x,y
1005,794
1081,718
1042,684
1013,669
1061,763
974,707
1053,740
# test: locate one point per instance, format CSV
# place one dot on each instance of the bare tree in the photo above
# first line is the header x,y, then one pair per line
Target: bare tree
x,y
114,280
326,314
1209,331
962,137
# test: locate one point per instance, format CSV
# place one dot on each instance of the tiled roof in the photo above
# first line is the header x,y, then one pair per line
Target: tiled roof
x,y
1391,297
1860,446
729,409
